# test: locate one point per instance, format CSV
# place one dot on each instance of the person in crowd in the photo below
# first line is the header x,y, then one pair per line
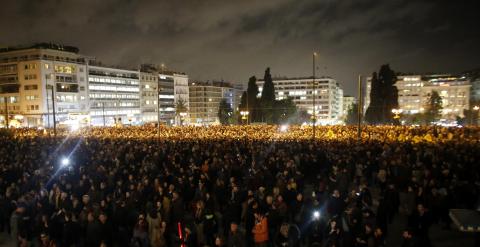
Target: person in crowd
x,y
260,230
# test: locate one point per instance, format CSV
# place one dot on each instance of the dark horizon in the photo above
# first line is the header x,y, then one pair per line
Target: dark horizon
x,y
214,40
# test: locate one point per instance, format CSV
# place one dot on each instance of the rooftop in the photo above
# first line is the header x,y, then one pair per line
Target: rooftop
x,y
51,46
211,84
285,78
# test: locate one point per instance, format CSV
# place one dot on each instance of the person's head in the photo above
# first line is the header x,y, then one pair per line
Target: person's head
x,y
269,200
378,232
233,226
420,208
175,195
44,238
284,229
368,228
279,198
333,224
299,197
336,193
407,234
102,218
90,217
219,241
258,215
85,199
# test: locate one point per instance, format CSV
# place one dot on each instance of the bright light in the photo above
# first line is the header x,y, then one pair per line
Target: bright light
x,y
74,127
65,162
283,128
316,215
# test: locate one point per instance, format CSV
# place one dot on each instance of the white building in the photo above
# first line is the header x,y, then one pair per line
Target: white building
x,y
328,96
415,90
25,73
181,94
205,99
149,94
114,96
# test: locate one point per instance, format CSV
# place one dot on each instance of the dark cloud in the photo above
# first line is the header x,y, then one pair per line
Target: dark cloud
x,y
232,40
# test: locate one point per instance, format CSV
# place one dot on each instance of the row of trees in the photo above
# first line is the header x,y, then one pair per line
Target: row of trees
x,y
267,109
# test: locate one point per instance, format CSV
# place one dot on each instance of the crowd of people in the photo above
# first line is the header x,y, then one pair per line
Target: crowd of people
x,y
233,185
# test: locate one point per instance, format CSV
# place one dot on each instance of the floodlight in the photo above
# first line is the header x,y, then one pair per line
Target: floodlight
x,y
316,215
65,162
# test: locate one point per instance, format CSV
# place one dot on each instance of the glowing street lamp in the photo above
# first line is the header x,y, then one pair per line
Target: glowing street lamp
x,y
244,115
316,215
65,162
397,113
284,128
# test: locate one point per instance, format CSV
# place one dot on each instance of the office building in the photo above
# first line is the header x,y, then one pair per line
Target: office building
x,y
114,96
29,73
205,99
414,92
181,95
328,96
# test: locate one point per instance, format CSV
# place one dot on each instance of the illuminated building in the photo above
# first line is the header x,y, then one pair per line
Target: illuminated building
x,y
205,99
25,73
328,96
149,90
414,92
114,95
173,88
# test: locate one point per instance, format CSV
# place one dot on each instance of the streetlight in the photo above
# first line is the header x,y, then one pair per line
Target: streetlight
x,y
65,162
314,93
158,106
5,98
244,116
52,87
397,113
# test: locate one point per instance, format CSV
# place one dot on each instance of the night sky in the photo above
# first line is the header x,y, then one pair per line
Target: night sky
x,y
232,40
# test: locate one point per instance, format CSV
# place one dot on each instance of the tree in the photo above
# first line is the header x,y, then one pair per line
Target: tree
x,y
268,92
284,111
390,92
252,102
180,108
383,96
352,115
373,113
225,112
242,106
433,109
267,99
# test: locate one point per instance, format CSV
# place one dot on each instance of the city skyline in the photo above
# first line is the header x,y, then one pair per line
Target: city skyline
x,y
213,40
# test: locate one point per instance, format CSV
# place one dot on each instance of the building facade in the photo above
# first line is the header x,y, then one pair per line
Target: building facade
x,y
172,90
328,96
415,90
31,77
114,96
205,99
348,102
181,95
